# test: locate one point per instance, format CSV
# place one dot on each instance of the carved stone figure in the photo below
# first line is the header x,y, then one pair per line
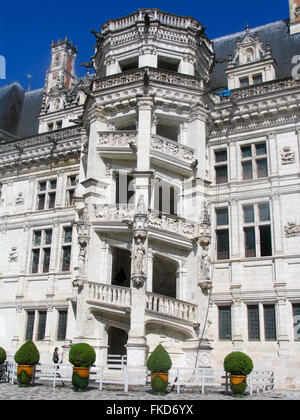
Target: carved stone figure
x,y
13,255
20,198
287,155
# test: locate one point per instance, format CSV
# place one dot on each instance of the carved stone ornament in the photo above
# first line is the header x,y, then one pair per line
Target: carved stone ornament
x,y
287,155
79,282
20,198
292,229
13,255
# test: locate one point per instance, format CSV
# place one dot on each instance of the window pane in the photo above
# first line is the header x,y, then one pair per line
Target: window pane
x,y
66,258
42,325
222,244
221,174
221,155
246,151
53,184
48,237
296,320
62,325
43,186
68,234
51,200
244,82
37,237
262,168
257,78
46,262
261,149
249,242
265,241
225,322
35,260
264,212
248,214
270,322
30,324
253,322
222,216
247,170
41,201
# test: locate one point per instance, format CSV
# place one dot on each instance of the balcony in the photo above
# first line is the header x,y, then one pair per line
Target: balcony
x,y
117,144
171,155
116,299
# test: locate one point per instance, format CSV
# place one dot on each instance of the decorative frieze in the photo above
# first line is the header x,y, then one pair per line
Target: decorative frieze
x,y
171,148
117,139
173,224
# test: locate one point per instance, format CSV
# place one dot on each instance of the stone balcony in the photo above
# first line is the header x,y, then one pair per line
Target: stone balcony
x,y
118,299
164,227
117,144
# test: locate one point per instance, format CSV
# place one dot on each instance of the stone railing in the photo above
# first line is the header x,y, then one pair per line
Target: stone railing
x,y
108,294
172,224
171,148
41,146
171,307
126,138
114,212
155,15
154,75
261,89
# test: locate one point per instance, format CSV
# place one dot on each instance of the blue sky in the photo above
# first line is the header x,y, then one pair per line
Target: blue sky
x,y
28,27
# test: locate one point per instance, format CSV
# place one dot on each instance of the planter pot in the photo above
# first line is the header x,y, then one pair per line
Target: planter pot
x,y
159,382
25,374
80,377
238,383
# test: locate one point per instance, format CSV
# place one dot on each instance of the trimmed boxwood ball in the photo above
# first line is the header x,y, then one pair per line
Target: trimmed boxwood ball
x,y
2,355
82,354
159,360
27,354
238,363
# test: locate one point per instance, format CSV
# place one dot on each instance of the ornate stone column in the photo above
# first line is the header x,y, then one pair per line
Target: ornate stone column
x,y
136,344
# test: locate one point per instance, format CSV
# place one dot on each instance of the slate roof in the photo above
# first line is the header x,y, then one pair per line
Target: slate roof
x,y
283,47
28,122
11,102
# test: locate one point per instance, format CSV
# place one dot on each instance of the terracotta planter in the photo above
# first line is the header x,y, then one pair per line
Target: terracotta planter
x,y
80,377
238,383
24,374
159,382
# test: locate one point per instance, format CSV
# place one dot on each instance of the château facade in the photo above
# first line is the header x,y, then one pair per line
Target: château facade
x,y
156,200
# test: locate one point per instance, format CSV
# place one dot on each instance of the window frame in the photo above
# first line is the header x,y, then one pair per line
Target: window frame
x,y
253,161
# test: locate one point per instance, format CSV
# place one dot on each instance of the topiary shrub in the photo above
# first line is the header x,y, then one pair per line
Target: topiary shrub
x,y
27,354
159,360
238,363
82,354
2,355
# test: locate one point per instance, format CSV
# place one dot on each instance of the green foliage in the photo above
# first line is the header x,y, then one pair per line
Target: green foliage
x,y
82,354
27,354
238,363
24,378
79,382
2,355
159,360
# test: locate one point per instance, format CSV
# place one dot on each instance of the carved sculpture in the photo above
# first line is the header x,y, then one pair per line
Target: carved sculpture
x,y
139,246
287,155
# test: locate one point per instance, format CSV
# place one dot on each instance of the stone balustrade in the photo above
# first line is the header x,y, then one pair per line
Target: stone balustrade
x,y
171,307
172,148
108,294
121,296
172,224
114,212
114,139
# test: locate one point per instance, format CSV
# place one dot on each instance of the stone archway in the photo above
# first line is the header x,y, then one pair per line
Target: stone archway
x,y
116,341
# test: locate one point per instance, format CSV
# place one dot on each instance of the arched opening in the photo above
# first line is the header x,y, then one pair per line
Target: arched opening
x,y
116,341
121,267
164,277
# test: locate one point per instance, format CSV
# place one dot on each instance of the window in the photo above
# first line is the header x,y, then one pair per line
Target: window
x,y
130,64
254,161
167,63
66,248
257,78
56,125
30,325
41,325
257,230
253,322
221,166
244,81
225,322
168,131
46,194
222,233
125,188
270,322
41,251
62,325
296,320
70,190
